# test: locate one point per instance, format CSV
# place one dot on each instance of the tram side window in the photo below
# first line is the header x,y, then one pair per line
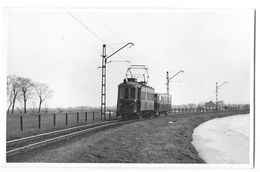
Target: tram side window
x,y
126,93
122,93
132,93
143,97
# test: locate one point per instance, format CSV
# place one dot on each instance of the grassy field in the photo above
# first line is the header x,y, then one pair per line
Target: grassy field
x,y
160,140
31,122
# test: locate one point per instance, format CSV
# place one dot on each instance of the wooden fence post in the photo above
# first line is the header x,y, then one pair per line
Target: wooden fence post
x,y
66,118
109,115
77,117
86,116
21,122
93,115
39,121
54,120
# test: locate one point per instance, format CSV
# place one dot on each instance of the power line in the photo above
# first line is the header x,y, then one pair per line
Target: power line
x,y
86,27
92,32
115,34
106,26
102,21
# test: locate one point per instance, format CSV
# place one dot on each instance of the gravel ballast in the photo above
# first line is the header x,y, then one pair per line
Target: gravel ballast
x,y
160,140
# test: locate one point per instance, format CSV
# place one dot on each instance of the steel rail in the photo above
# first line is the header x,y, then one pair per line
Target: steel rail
x,y
57,131
34,145
63,136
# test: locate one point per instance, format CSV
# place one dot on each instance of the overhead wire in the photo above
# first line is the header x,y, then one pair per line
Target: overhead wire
x,y
116,35
102,40
102,21
85,26
92,32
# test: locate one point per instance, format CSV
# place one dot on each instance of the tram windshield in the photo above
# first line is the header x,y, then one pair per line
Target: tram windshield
x,y
127,93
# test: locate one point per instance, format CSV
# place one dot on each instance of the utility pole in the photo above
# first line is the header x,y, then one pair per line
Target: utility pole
x,y
167,83
217,88
103,84
103,76
168,80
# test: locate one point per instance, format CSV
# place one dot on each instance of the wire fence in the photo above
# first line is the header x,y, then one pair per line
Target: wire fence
x,y
27,124
209,109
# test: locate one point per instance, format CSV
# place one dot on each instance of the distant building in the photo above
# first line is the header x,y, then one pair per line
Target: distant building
x,y
191,105
246,106
210,105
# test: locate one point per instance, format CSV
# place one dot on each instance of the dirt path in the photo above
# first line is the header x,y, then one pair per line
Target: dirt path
x,y
161,140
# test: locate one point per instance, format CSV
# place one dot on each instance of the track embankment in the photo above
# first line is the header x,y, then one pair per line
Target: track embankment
x,y
161,140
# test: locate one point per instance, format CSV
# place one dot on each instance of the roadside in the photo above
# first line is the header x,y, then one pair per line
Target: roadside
x,y
161,140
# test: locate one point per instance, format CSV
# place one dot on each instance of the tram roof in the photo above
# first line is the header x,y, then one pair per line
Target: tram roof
x,y
135,84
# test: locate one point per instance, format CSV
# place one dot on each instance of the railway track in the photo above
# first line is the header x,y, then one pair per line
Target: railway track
x,y
25,144
18,146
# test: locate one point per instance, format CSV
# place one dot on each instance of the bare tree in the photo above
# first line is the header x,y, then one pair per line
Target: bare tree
x,y
9,93
13,85
43,92
26,87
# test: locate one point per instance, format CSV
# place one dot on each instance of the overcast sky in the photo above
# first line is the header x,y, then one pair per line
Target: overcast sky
x,y
211,46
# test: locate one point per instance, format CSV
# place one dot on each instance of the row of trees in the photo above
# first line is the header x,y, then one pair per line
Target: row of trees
x,y
23,89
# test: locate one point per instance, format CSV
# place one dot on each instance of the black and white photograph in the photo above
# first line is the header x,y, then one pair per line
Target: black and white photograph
x,y
129,86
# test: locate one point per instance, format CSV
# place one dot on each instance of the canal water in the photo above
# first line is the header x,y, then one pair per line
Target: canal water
x,y
224,140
